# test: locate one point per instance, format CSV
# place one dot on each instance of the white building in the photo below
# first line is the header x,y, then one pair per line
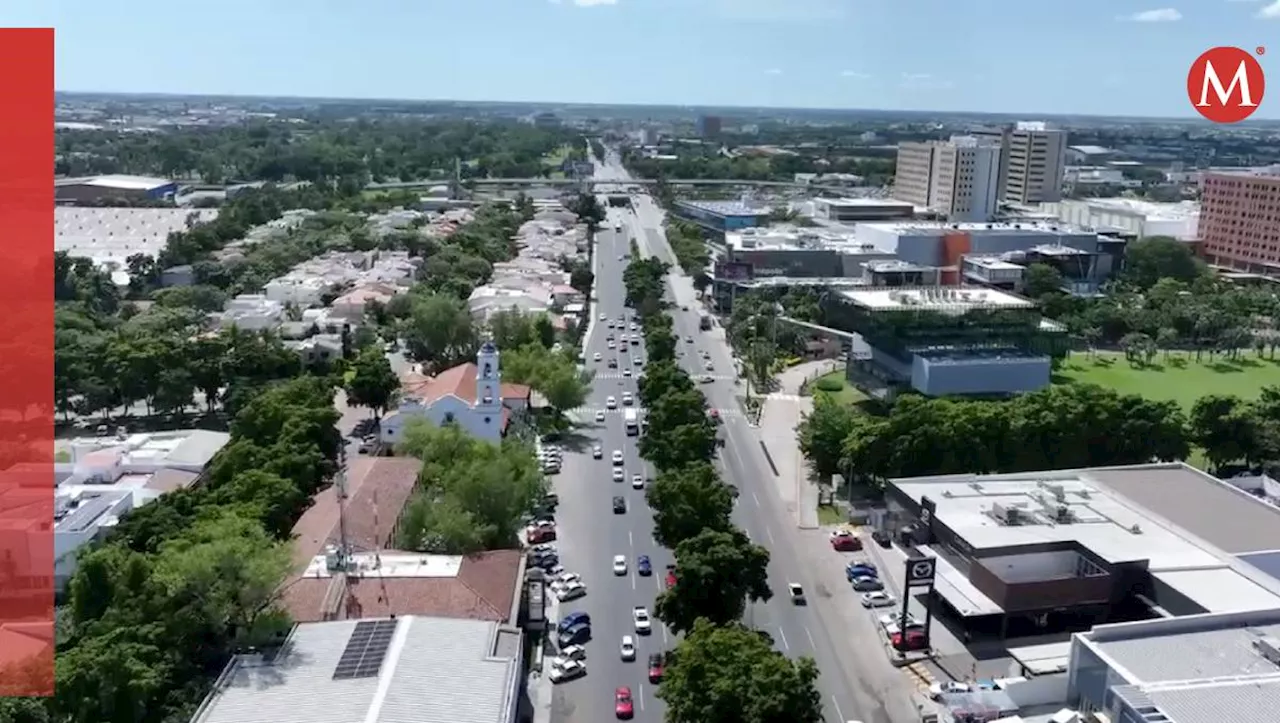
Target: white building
x,y
1142,218
959,177
353,304
485,301
306,284
469,395
252,312
101,479
110,236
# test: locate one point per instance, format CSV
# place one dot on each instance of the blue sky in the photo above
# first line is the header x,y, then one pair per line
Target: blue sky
x,y
1114,57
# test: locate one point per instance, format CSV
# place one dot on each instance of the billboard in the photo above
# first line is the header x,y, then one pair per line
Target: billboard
x,y
734,271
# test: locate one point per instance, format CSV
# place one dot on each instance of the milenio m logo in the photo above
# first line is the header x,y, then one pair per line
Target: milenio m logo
x,y
1226,84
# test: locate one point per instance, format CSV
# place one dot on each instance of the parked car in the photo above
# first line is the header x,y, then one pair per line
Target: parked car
x,y
845,541
563,671
877,599
882,538
867,584
855,570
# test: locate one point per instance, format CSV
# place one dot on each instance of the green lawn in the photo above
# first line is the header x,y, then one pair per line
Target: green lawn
x,y
846,393
1178,377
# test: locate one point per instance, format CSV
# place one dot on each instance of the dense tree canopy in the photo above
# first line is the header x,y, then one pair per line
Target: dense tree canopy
x,y
719,573
686,501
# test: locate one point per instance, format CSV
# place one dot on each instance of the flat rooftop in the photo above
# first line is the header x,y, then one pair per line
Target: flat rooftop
x,y
726,208
933,228
1152,210
788,238
864,203
992,263
431,670
941,298
117,181
112,235
1191,528
1197,669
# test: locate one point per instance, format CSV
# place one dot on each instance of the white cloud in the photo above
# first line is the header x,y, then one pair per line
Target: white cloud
x,y
1271,11
773,71
1163,15
854,74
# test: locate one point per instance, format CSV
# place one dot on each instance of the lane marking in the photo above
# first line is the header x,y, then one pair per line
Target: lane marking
x,y
783,636
836,703
664,635
757,499
769,533
809,635
631,539
633,581
640,697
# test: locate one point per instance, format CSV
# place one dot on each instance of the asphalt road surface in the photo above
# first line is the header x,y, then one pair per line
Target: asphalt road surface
x,y
590,533
857,681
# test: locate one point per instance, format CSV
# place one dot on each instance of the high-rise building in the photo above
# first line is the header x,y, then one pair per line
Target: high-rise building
x,y
709,125
1240,219
1032,161
959,177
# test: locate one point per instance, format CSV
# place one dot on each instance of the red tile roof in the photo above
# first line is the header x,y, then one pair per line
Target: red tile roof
x,y
377,490
459,381
482,590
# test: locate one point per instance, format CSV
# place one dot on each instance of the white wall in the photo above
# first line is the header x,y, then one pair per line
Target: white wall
x,y
1033,566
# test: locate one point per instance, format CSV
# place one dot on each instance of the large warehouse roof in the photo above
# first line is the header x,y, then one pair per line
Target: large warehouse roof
x,y
121,182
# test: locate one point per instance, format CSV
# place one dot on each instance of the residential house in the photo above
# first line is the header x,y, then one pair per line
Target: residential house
x,y
252,312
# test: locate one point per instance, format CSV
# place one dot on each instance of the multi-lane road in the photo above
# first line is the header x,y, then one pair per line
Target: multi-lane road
x,y
857,682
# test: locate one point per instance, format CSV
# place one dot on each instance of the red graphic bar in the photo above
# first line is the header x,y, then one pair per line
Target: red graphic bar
x,y
26,362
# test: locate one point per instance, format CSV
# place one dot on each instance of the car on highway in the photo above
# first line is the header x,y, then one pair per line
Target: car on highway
x,y
562,671
576,635
637,482
618,474
627,650
573,652
895,619
599,415
643,623
597,452
623,707
867,584
626,373
637,361
613,363
877,599
627,399
610,403
857,569
597,356
617,457
706,379
571,591
656,666
671,576
619,505
797,593
709,366
619,564
611,344
604,316
643,566
845,541
574,619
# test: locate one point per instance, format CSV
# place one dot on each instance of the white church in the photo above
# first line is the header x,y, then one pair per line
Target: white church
x,y
469,395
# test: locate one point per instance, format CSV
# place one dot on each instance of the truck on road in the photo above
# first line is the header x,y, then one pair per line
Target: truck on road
x,y
631,418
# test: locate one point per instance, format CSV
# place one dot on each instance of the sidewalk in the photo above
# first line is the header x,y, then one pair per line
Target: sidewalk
x,y
781,414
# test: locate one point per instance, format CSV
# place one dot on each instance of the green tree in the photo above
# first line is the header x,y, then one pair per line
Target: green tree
x,y
686,501
662,378
439,331
511,329
732,674
719,572
372,383
1150,259
1042,279
822,434
1226,428
679,431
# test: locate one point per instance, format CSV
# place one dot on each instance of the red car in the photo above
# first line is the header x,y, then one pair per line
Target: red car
x,y
671,575
845,541
622,705
915,640
655,668
540,534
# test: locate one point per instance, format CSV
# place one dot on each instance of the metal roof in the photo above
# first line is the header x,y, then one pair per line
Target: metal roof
x,y
436,670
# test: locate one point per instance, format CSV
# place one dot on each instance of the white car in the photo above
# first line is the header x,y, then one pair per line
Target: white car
x,y
626,398
597,452
604,316
611,344
637,360
619,565
709,366
566,670
617,457
573,652
877,599
936,690
894,618
611,403
618,474
644,624
564,579
628,648
599,415
637,482
571,591
626,372
597,356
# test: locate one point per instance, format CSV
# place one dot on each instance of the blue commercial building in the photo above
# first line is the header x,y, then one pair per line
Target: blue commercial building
x,y
97,188
721,216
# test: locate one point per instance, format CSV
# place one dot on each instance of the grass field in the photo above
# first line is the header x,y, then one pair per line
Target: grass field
x,y
846,394
1179,377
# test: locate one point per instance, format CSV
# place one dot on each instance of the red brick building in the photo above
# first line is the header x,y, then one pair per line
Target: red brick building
x,y
1240,220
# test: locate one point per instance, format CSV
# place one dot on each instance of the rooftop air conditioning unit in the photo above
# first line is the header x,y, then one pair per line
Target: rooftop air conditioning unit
x,y
1010,516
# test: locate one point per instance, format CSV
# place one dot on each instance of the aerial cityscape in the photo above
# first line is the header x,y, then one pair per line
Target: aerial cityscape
x,y
373,410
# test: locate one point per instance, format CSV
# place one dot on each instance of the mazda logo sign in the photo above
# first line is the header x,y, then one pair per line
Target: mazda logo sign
x,y
921,570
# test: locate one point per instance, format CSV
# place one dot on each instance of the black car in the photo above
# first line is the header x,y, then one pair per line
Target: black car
x,y
882,538
547,561
550,501
619,505
575,635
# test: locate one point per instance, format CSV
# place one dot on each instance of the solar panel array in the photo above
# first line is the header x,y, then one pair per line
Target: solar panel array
x,y
366,649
